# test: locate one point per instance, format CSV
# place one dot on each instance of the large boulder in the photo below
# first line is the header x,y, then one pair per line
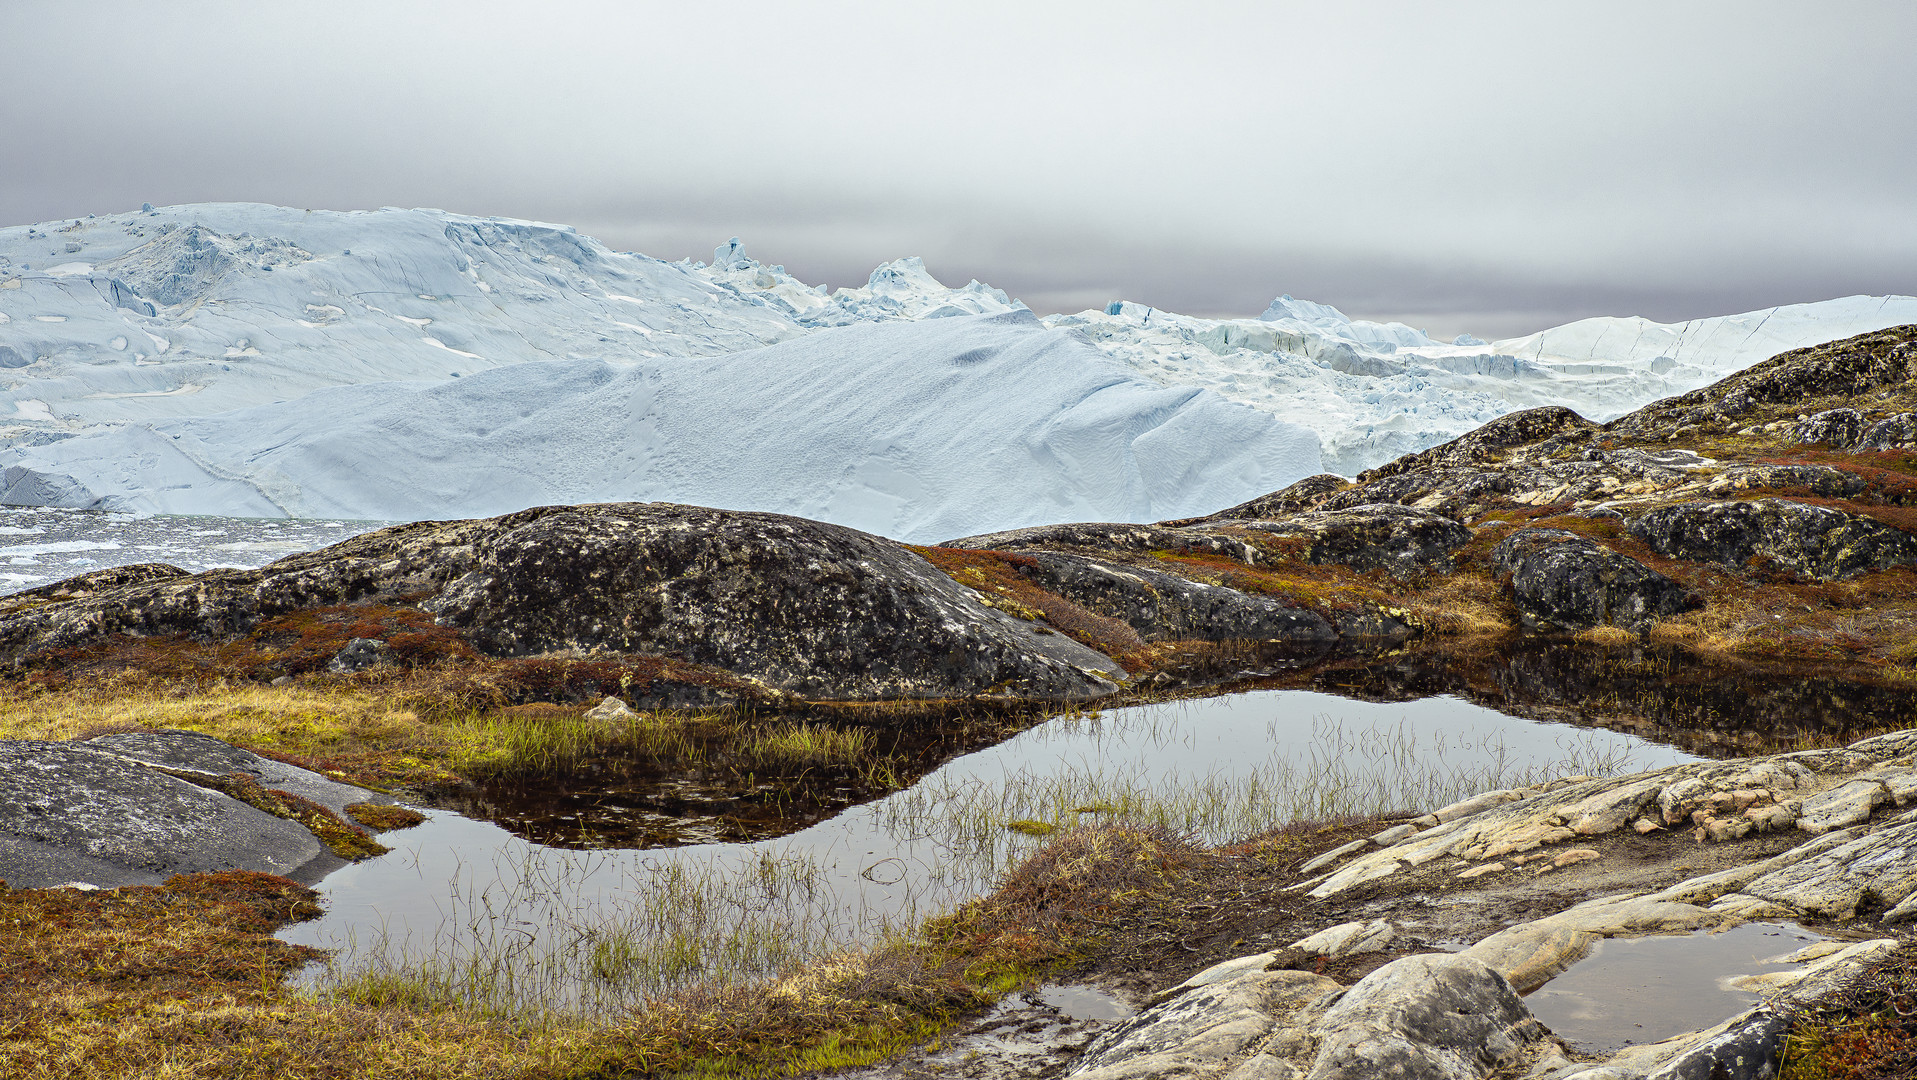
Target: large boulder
x,y
1820,542
76,812
1564,581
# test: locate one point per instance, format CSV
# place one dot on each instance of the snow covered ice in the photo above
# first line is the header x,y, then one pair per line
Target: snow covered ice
x,y
251,360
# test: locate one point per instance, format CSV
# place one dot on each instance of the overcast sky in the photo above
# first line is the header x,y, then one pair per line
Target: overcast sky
x,y
1487,167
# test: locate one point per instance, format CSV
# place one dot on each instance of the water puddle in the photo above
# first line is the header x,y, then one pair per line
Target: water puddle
x,y
1631,991
1081,1002
468,902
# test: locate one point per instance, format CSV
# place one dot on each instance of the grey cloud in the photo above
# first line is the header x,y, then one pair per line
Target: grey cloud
x,y
1492,168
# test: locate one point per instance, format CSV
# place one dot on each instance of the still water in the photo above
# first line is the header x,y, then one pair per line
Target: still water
x,y
599,929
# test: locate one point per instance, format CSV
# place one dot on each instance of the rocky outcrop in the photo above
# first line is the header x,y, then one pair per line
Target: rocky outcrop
x,y
1441,1017
203,754
1304,495
801,606
1376,537
1483,445
1458,1014
812,608
1111,537
1166,607
1819,542
1789,385
83,812
1564,581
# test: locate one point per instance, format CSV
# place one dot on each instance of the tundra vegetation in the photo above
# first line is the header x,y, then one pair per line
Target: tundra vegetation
x,y
1761,528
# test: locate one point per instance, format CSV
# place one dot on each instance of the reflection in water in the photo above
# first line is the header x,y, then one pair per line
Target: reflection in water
x,y
1641,990
499,916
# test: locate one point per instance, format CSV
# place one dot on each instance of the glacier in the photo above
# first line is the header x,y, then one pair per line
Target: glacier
x,y
251,360
918,430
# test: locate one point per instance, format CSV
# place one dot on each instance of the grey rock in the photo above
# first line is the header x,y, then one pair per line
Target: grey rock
x,y
1878,867
1846,804
1165,607
811,608
360,654
1838,428
1347,939
1388,837
77,812
1319,862
1430,1017
1304,495
206,754
1817,541
1482,445
610,708
1402,541
1894,432
1562,580
1750,1049
1821,480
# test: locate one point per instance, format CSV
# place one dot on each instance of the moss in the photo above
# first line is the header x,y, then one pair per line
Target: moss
x,y
384,817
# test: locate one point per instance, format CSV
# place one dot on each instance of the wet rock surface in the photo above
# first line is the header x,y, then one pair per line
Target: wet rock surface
x,y
1560,579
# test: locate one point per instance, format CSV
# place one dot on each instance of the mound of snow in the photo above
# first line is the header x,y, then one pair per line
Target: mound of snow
x,y
918,430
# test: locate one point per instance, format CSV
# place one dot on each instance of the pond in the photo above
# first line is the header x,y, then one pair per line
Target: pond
x,y
485,914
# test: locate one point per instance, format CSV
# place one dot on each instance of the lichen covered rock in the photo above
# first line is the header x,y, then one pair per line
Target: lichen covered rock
x,y
1562,580
1820,542
1381,537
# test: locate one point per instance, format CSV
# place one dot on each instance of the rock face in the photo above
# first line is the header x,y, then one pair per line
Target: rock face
x,y
808,607
799,605
1165,607
75,812
1817,541
1381,537
1562,580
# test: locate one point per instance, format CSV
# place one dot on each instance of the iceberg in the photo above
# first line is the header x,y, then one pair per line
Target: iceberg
x,y
242,359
